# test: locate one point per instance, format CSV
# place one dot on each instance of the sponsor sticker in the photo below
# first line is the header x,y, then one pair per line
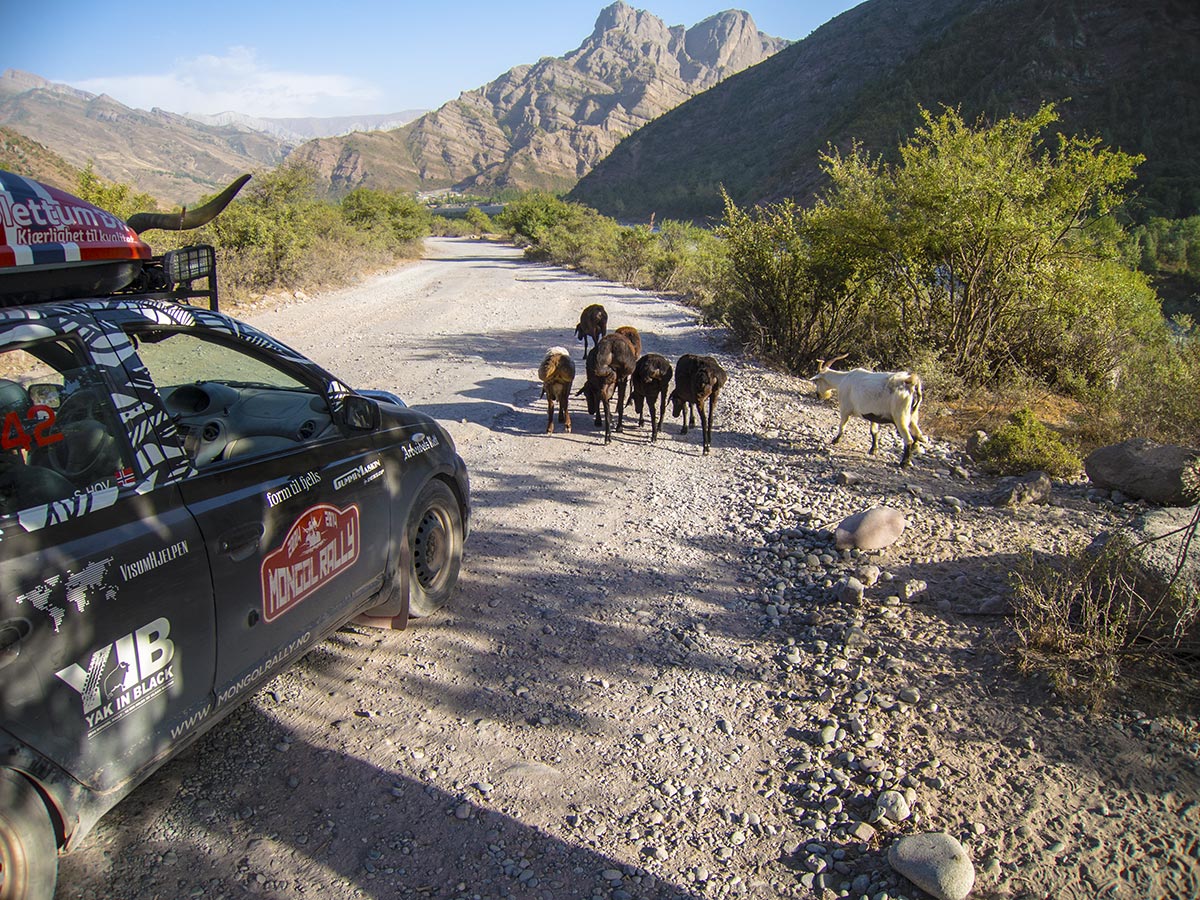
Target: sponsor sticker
x,y
367,471
58,593
123,676
321,544
421,443
153,560
293,488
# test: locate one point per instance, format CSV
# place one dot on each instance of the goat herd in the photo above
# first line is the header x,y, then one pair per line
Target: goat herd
x,y
615,364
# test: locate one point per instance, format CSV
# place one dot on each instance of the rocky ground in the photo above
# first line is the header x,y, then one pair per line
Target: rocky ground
x,y
650,684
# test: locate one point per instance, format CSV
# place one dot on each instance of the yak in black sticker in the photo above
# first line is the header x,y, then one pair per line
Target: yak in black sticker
x,y
123,676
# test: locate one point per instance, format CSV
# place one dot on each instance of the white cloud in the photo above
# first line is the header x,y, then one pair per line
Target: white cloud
x,y
238,81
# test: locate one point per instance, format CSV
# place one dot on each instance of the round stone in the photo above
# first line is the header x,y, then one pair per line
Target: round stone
x,y
936,863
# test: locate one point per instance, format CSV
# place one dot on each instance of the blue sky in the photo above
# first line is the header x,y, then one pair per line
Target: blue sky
x,y
339,57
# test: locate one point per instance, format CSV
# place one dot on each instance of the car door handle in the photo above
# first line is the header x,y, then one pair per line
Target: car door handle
x,y
242,542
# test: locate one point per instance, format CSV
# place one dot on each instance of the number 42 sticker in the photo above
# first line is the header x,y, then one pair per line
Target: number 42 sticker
x,y
14,436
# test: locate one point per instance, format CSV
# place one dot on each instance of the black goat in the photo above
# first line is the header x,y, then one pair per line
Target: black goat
x,y
649,384
697,379
609,366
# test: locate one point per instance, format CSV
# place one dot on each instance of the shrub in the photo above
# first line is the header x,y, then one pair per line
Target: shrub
x,y
778,296
444,226
527,219
118,199
1152,395
1092,616
396,217
480,222
1024,445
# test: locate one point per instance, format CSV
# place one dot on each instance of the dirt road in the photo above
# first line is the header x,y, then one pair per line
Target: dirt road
x,y
645,687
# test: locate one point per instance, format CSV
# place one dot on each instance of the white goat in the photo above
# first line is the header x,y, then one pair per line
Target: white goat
x,y
881,398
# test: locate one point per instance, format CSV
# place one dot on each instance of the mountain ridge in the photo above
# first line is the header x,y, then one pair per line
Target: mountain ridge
x,y
1119,70
298,129
161,153
546,123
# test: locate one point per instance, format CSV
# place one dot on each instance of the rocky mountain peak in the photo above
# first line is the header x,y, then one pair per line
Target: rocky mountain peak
x,y
623,19
548,123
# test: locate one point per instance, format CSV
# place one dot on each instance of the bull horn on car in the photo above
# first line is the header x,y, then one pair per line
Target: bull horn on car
x,y
187,219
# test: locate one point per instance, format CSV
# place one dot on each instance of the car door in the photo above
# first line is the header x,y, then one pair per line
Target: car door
x,y
106,608
289,503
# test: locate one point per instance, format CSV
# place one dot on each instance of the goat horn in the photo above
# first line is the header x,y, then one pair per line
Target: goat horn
x,y
187,219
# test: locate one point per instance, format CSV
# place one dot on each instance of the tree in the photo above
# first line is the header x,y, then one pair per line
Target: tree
x,y
986,244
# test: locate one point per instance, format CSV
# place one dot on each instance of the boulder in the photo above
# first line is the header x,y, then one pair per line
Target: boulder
x,y
1157,539
1013,491
871,529
1143,469
936,863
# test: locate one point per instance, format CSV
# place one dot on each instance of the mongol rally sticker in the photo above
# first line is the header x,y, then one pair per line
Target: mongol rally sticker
x,y
321,544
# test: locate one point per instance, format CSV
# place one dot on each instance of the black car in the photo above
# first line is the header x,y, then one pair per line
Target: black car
x,y
187,506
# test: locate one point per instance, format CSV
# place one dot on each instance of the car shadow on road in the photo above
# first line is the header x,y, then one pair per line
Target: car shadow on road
x,y
353,822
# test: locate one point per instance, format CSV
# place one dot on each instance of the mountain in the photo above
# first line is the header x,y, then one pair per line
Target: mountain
x,y
164,154
1121,70
548,123
299,130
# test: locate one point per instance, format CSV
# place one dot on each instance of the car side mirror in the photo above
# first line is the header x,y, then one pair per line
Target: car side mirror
x,y
362,413
50,395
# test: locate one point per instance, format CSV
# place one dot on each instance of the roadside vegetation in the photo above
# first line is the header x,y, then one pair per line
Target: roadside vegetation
x,y
279,235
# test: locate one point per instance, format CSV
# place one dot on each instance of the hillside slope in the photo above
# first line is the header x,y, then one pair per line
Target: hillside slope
x,y
29,158
169,156
546,124
1123,70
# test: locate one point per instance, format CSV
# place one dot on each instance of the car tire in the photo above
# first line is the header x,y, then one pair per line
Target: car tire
x,y
435,545
28,850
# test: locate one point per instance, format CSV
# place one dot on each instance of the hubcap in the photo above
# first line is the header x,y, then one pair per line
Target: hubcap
x,y
430,547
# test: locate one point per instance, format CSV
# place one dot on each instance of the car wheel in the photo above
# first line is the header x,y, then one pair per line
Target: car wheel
x,y
435,543
28,851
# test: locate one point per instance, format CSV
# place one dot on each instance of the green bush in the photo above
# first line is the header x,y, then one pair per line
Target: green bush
x,y
396,217
780,296
118,199
444,226
527,219
1024,445
1153,394
480,222
279,234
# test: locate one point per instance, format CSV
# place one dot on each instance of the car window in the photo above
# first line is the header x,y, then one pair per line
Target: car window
x,y
60,435
179,357
227,402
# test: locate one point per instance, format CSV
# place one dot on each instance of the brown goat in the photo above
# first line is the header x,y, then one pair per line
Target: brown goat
x,y
557,374
635,339
609,366
697,379
593,323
